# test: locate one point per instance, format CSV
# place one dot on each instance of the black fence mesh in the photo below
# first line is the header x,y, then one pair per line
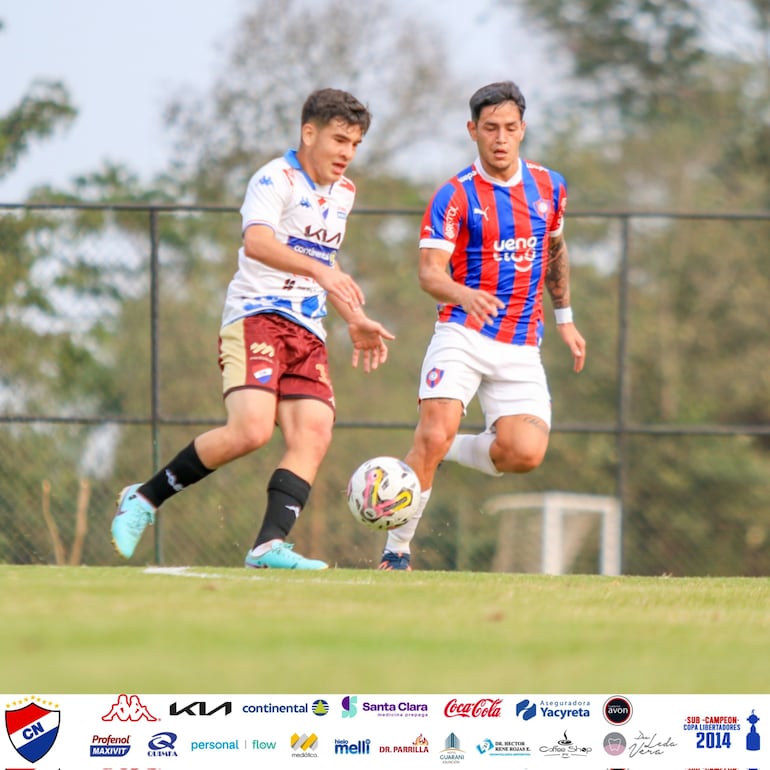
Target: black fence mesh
x,y
109,319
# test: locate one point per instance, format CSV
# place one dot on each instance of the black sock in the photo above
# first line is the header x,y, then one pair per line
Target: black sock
x,y
183,471
287,494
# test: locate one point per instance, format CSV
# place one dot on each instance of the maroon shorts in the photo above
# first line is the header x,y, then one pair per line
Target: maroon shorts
x,y
270,352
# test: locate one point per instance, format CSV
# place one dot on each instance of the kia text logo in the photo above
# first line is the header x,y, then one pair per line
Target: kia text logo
x,y
199,708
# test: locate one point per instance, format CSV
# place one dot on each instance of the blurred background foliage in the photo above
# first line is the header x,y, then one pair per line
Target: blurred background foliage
x,y
660,112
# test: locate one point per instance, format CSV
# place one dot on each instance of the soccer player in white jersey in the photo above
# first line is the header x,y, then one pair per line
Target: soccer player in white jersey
x,y
272,342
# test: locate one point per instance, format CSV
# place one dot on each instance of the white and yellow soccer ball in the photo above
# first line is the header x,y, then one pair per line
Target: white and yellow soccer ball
x,y
383,493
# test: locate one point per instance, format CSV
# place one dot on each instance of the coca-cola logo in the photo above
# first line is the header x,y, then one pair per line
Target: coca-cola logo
x,y
483,707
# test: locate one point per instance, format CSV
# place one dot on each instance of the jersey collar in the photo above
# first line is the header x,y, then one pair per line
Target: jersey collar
x,y
290,157
514,180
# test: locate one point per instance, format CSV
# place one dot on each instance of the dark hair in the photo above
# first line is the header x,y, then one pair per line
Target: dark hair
x,y
496,93
326,104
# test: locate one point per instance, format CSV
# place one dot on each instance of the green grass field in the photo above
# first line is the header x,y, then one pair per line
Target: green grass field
x,y
217,630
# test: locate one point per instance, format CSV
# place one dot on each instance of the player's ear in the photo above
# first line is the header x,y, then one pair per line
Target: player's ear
x,y
471,126
309,132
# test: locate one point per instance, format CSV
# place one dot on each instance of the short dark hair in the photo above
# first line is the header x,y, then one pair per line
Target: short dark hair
x,y
496,93
326,104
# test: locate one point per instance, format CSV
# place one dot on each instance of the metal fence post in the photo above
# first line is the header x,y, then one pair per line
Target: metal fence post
x,y
155,367
621,437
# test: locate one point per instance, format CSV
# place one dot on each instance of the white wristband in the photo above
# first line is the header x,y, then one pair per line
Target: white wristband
x,y
563,315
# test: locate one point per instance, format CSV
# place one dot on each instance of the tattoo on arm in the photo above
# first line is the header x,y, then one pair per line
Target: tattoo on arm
x,y
557,274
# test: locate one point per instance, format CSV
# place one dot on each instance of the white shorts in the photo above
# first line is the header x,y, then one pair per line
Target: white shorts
x,y
509,379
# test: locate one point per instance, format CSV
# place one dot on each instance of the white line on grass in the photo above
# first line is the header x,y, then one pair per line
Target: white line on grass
x,y
188,572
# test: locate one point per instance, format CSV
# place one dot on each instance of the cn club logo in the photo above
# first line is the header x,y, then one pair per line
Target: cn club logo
x,y
617,710
32,728
128,708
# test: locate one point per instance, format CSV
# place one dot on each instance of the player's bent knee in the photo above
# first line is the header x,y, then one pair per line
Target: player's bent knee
x,y
520,462
435,441
246,441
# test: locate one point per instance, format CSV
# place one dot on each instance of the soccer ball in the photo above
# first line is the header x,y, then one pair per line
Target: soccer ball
x,y
383,493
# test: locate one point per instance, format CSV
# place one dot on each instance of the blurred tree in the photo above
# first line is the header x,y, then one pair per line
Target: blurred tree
x,y
43,109
665,112
284,49
631,54
652,119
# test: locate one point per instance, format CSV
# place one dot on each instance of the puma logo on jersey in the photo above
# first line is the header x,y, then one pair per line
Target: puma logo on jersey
x,y
482,212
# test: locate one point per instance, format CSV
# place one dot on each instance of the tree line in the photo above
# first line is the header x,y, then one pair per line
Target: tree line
x,y
656,112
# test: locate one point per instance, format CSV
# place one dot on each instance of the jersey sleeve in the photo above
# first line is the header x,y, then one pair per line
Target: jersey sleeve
x,y
266,197
443,219
559,204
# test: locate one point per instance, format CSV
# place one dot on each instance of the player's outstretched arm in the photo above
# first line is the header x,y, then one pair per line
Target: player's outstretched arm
x,y
367,335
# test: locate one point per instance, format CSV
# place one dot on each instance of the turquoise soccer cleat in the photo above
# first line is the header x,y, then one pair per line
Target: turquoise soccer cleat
x,y
132,517
282,556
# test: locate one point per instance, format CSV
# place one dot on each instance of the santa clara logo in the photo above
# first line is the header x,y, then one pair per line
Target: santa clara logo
x,y
32,728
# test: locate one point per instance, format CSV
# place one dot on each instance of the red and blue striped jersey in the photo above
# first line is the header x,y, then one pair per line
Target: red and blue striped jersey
x,y
498,235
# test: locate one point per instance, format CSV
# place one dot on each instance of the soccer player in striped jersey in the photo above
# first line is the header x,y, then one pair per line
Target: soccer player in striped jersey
x,y
272,342
491,241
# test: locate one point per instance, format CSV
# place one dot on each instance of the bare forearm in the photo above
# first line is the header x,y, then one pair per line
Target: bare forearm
x,y
346,312
435,280
557,275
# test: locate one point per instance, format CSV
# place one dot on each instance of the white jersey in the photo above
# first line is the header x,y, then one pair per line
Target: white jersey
x,y
307,217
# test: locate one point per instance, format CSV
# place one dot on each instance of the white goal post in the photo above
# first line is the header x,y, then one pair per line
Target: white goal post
x,y
556,507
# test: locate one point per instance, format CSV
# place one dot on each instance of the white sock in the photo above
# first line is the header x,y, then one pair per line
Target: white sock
x,y
473,452
400,538
263,548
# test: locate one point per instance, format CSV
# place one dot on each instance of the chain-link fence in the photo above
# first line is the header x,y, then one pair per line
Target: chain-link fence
x,y
109,322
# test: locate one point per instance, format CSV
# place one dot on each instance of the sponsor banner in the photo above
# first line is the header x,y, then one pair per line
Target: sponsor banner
x,y
526,731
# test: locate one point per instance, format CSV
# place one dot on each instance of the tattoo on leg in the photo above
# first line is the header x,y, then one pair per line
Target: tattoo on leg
x,y
537,422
